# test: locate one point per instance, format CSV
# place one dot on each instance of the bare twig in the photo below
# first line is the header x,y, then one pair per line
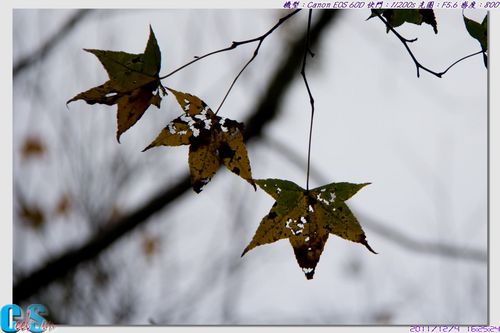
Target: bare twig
x,y
233,45
256,51
307,51
459,60
418,65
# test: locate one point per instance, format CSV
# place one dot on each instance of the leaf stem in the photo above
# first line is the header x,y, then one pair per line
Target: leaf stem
x,y
238,76
307,51
418,65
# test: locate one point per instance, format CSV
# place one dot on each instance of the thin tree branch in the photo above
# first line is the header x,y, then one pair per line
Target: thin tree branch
x,y
307,51
461,59
388,233
237,76
49,45
418,65
266,110
234,45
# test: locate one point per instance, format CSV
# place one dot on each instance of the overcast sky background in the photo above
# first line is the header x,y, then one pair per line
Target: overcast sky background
x,y
420,142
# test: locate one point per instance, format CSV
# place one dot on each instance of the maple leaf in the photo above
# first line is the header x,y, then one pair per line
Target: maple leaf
x,y
213,141
307,218
133,80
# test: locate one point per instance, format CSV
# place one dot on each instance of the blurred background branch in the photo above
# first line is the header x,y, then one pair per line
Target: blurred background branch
x,y
26,61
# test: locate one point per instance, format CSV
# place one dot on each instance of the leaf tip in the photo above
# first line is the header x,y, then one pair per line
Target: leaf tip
x,y
198,184
365,243
90,51
308,272
248,248
71,100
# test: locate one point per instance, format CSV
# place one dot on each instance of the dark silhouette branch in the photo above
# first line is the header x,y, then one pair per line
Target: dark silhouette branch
x,y
388,233
418,65
265,111
49,45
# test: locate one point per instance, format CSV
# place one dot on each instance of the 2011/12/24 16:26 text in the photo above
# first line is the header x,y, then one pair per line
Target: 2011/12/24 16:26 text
x,y
471,329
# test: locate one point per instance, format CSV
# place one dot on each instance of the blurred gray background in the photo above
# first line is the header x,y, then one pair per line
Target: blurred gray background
x,y
421,142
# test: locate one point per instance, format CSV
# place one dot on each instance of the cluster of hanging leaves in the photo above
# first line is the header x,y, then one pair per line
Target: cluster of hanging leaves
x,y
133,83
396,17
307,218
212,141
479,31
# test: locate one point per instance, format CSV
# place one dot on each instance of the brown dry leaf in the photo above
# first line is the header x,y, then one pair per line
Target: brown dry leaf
x,y
133,83
307,218
213,141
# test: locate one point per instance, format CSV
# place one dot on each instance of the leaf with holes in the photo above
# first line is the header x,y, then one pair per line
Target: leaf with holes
x,y
133,83
213,141
307,218
396,17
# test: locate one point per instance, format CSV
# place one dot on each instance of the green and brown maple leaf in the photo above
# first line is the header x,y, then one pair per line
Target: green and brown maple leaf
x,y
212,141
133,83
307,218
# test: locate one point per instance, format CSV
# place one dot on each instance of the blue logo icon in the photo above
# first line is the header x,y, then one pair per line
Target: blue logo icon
x,y
12,319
